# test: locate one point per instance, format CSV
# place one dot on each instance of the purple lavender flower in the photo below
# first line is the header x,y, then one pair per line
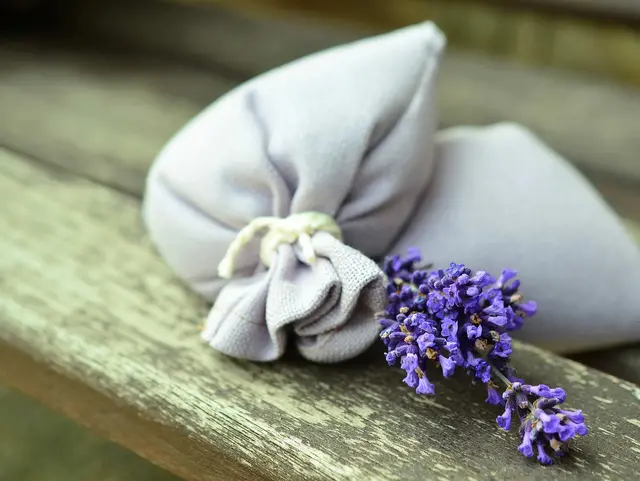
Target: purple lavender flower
x,y
449,328
448,365
455,318
542,390
543,424
427,309
424,386
473,332
502,347
492,394
506,276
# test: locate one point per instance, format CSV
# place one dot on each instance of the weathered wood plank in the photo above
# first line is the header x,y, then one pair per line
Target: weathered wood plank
x,y
105,116
634,228
624,8
616,7
587,120
622,195
525,33
68,106
624,361
591,121
83,294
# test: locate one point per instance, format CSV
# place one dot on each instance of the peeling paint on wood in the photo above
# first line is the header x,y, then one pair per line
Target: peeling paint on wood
x,y
85,295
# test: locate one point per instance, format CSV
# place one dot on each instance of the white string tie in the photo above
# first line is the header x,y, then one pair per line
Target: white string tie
x,y
297,228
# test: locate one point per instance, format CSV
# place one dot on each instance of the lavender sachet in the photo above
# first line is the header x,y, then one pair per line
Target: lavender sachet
x,y
455,318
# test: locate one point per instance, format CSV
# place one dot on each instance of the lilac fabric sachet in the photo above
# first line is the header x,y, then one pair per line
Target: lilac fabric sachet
x,y
272,201
277,201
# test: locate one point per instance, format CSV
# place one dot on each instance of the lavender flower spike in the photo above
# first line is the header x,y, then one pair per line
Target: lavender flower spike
x,y
544,424
454,318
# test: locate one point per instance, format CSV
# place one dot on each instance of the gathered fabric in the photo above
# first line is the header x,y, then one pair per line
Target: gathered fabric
x,y
273,201
295,229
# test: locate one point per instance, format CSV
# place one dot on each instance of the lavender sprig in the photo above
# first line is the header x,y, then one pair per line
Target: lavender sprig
x,y
454,318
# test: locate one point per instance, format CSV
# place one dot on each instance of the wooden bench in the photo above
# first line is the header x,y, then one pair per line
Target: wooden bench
x,y
96,326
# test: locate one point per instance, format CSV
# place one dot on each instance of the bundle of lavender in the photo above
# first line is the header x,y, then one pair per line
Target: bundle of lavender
x,y
457,319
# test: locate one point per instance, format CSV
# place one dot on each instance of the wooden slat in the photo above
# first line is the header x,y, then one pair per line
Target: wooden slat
x,y
105,116
591,121
622,195
634,228
607,8
82,104
624,361
619,8
94,324
512,29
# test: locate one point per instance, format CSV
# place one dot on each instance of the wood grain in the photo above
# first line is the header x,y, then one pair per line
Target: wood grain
x,y
104,116
85,297
634,229
604,44
68,107
628,8
624,361
606,8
